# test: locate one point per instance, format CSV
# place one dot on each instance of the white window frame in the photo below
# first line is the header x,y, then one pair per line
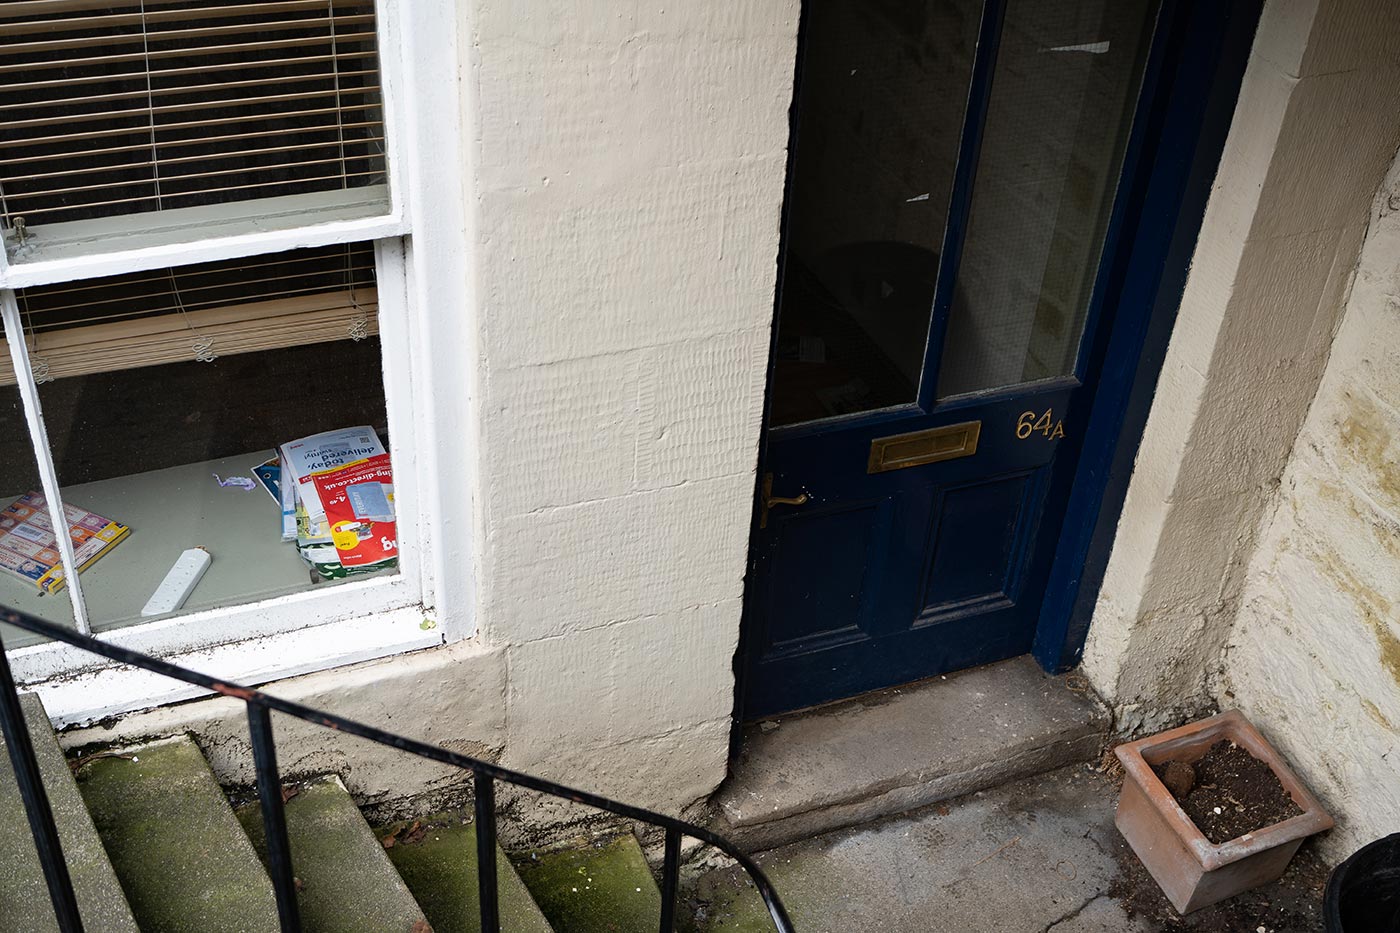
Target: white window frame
x,y
428,349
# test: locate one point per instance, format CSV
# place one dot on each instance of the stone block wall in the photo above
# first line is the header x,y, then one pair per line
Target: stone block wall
x,y
1314,655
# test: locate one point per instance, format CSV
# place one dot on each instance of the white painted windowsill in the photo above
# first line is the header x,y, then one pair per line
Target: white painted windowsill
x,y
111,691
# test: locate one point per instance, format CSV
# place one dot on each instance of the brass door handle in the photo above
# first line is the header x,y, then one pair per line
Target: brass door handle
x,y
769,500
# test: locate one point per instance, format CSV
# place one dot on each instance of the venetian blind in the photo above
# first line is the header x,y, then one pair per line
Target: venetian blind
x,y
205,311
110,108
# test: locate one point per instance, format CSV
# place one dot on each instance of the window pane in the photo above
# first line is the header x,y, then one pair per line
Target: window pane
x,y
884,87
111,109
27,549
172,391
1063,95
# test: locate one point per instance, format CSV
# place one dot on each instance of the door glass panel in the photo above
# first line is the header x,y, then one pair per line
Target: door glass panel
x,y
880,112
1063,95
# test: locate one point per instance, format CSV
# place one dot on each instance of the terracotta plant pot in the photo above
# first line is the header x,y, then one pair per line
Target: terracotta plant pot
x,y
1191,870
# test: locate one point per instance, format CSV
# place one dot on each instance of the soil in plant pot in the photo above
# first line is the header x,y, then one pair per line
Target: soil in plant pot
x,y
1227,792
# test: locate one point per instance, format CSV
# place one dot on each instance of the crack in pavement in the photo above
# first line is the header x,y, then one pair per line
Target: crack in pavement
x,y
1072,914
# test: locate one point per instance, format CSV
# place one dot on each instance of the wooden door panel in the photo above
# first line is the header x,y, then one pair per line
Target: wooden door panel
x,y
823,574
977,545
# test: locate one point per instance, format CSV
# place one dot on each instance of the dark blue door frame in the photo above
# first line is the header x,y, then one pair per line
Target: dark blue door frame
x,y
1208,51
1189,92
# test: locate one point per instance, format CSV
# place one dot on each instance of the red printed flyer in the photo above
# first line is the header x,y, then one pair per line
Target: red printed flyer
x,y
359,503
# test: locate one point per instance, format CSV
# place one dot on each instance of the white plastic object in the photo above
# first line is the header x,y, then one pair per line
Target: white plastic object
x,y
179,583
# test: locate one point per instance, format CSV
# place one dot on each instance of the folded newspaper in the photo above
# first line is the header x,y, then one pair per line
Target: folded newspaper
x,y
343,492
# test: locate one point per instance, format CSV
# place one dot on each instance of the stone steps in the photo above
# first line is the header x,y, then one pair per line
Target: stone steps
x,y
174,842
604,886
438,863
154,845
347,883
870,757
24,901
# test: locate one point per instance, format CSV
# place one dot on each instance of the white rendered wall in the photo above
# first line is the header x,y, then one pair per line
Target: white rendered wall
x,y
1314,657
632,159
1314,131
626,173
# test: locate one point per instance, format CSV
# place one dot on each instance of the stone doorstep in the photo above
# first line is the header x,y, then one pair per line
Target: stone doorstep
x,y
883,753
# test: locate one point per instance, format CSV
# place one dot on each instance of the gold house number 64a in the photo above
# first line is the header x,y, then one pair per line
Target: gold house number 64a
x,y
1045,423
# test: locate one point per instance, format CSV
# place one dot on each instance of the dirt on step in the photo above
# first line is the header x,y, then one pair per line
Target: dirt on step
x,y
1233,792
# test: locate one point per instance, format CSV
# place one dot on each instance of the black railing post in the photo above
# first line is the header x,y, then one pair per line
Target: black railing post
x,y
670,879
484,790
36,803
274,815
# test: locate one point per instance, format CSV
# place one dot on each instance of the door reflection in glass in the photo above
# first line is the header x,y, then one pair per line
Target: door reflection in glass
x,y
1063,93
880,111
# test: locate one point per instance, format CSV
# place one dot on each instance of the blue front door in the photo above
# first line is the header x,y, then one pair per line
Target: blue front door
x,y
957,174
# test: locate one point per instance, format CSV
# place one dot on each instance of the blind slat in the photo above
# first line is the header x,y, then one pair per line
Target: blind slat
x,y
170,127
68,119
243,328
143,93
188,295
31,25
277,267
329,66
208,140
166,179
137,166
168,35
251,186
162,55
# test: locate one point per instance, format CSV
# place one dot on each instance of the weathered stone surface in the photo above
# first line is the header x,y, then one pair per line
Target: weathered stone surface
x,y
865,758
347,883
604,887
180,854
1314,653
440,869
1036,856
24,897
1018,859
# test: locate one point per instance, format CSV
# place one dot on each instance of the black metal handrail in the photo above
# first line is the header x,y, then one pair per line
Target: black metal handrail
x,y
259,707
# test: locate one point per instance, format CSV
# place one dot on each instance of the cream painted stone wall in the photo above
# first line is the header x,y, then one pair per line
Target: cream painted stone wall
x,y
626,181
631,164
1314,656
1313,134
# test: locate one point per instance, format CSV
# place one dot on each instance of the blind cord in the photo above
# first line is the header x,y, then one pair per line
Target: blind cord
x,y
339,105
359,324
38,366
151,106
203,345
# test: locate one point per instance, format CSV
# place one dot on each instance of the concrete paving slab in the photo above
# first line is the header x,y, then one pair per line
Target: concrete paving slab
x,y
603,887
439,867
24,897
1037,856
348,884
892,751
182,858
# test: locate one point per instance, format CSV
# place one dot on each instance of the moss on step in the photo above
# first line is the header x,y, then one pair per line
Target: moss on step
x,y
24,898
438,863
180,854
347,883
725,901
603,887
